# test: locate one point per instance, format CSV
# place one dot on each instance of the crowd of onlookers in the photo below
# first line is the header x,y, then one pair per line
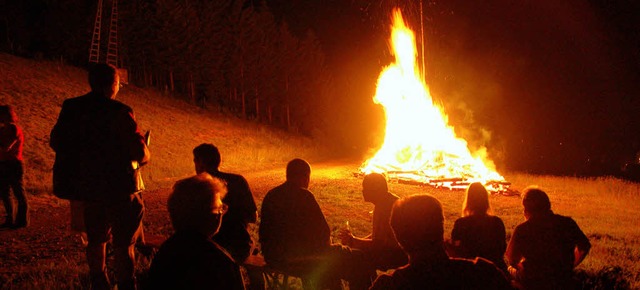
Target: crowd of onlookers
x,y
99,153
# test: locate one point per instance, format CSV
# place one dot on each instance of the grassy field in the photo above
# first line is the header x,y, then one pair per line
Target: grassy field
x,y
607,209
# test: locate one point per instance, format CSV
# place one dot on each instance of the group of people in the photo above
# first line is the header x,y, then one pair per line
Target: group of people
x,y
99,150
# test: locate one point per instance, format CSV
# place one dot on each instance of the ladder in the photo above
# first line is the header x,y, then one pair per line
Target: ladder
x,y
112,47
112,44
94,51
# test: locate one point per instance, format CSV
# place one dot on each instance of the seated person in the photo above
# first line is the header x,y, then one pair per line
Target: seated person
x,y
545,248
295,237
189,259
381,246
418,224
478,233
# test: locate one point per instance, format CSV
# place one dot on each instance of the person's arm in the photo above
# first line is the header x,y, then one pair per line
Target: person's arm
x,y
133,138
582,246
513,252
250,215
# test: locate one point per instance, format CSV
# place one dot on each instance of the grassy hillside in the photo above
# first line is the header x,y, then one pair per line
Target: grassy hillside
x,y
37,89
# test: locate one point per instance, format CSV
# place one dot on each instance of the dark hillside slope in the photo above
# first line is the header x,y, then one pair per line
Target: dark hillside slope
x,y
37,89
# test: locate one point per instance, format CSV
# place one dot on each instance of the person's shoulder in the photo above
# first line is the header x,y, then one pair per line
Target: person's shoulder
x,y
231,177
120,106
479,271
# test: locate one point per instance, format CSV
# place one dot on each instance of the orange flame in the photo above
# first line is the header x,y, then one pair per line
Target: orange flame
x,y
418,137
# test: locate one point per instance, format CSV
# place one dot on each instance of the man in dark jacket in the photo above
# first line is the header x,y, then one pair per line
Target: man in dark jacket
x,y
544,250
98,152
296,239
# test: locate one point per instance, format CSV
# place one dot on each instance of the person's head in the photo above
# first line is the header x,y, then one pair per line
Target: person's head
x,y
374,187
206,157
476,200
7,115
299,172
535,202
196,204
104,80
418,223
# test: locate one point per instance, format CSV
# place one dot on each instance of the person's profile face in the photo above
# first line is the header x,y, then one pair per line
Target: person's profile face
x,y
115,87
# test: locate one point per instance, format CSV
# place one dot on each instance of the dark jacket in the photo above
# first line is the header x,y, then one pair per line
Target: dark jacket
x,y
97,143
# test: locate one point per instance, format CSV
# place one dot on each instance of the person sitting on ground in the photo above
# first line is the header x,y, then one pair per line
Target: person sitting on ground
x,y
381,246
545,248
11,170
189,259
478,233
418,224
295,236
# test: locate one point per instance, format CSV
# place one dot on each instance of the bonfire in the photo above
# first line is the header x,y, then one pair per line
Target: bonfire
x,y
419,144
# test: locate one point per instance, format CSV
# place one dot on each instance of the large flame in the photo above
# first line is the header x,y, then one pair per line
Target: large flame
x,y
418,138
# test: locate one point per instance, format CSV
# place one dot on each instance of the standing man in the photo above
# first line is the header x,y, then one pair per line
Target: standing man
x,y
98,152
295,236
233,235
545,248
381,246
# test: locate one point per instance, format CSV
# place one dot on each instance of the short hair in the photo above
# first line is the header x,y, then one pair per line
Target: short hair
x,y
102,75
298,168
417,222
535,200
208,154
375,181
7,114
192,199
476,200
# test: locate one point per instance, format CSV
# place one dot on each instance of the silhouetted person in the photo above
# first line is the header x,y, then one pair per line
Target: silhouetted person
x,y
295,236
417,222
478,233
234,233
381,246
11,170
546,247
98,146
189,259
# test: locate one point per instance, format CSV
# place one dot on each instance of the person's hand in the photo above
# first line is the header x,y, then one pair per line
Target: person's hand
x,y
346,237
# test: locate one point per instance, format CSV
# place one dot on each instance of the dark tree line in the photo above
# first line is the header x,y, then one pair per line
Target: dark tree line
x,y
230,55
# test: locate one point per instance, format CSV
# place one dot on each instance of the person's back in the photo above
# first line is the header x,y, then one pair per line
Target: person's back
x,y
188,260
93,142
448,273
233,234
292,225
545,248
418,224
547,244
480,236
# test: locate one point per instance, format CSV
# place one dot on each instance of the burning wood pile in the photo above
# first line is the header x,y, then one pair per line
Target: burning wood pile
x,y
419,146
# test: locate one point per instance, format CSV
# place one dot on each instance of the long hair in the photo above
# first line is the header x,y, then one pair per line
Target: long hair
x,y
476,200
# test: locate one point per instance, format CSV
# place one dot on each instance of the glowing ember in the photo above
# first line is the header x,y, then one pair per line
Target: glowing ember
x,y
419,145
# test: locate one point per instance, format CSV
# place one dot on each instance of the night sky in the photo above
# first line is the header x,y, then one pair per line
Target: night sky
x,y
555,82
